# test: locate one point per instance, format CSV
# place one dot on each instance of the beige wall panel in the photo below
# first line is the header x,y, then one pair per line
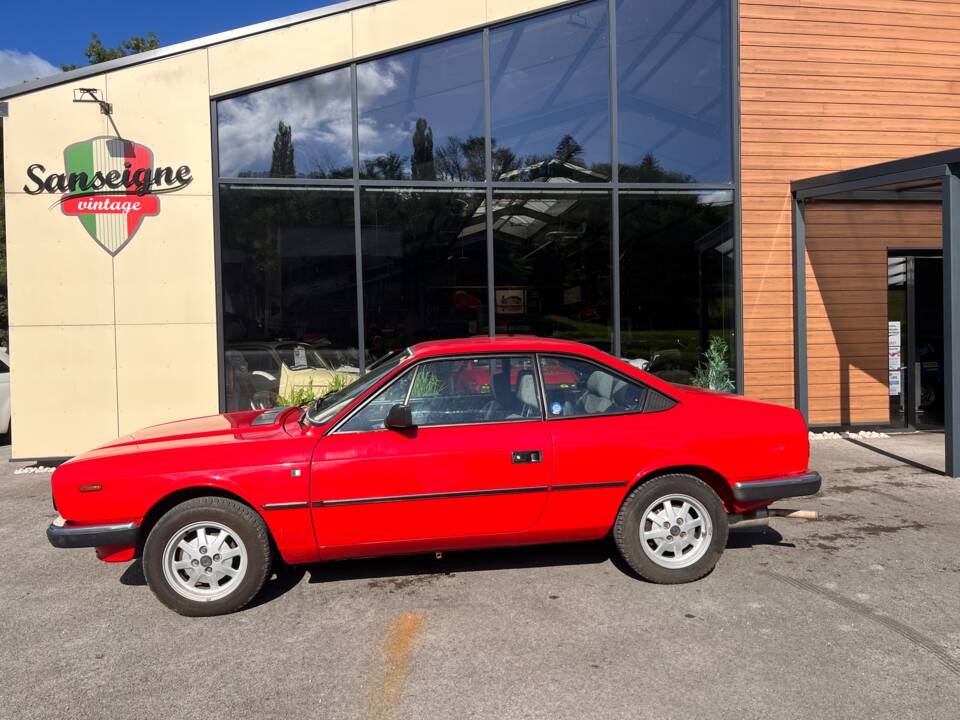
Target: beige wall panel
x,y
165,105
165,372
167,274
54,121
280,53
396,23
501,9
57,274
63,389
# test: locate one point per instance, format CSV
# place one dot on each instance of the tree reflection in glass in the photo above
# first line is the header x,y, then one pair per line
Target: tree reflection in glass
x,y
550,79
673,96
421,113
301,128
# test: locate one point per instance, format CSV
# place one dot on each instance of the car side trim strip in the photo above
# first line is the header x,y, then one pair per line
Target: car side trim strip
x,y
428,496
591,486
285,506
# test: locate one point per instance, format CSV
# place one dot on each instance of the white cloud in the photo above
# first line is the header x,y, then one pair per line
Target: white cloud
x,y
16,67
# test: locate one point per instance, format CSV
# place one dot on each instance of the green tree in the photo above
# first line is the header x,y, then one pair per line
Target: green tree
x,y
96,52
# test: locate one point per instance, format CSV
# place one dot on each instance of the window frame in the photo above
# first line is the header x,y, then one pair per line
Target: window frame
x,y
599,366
415,368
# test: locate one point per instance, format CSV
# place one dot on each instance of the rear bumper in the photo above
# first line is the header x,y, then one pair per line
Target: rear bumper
x,y
62,535
777,488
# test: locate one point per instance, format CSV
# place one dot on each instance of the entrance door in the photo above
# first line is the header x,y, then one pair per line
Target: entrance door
x,y
915,309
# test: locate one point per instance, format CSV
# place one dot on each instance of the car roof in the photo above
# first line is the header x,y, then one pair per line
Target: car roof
x,y
509,343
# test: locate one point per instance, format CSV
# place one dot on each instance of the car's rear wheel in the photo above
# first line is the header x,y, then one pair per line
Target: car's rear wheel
x,y
671,529
207,556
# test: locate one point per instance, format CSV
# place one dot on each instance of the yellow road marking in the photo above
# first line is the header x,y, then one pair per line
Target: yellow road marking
x,y
393,666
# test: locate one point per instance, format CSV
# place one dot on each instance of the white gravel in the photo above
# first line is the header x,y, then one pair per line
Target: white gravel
x,y
861,435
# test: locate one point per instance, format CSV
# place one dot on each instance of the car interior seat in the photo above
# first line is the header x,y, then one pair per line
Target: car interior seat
x,y
599,395
527,395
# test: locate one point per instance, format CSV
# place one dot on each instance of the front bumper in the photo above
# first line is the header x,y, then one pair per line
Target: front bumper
x,y
778,488
62,535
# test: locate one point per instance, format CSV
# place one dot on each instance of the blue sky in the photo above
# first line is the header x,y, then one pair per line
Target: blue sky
x,y
36,37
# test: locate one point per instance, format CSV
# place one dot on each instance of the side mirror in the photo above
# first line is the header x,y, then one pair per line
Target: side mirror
x,y
400,417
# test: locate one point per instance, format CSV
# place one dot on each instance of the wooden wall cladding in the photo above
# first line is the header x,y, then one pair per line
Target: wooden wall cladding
x,y
830,85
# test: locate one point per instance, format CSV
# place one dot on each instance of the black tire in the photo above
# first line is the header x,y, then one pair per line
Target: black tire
x,y
630,521
242,521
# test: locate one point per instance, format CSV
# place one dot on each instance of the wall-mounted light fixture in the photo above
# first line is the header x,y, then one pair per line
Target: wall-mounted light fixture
x,y
91,95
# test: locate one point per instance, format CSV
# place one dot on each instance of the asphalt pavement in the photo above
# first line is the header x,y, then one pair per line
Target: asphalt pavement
x,y
856,615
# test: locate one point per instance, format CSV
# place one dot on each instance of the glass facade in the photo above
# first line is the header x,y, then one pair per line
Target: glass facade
x,y
537,176
421,113
673,91
676,278
550,96
424,266
552,259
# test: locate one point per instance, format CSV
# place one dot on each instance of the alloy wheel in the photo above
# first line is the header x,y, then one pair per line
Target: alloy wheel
x,y
675,531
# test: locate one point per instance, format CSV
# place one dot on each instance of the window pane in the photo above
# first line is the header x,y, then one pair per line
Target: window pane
x,y
550,79
475,390
676,279
424,266
673,76
576,388
302,128
421,113
288,272
373,414
552,254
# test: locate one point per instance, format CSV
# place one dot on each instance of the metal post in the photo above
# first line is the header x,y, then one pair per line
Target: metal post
x,y
910,382
488,180
357,222
615,348
800,389
732,54
951,322
218,259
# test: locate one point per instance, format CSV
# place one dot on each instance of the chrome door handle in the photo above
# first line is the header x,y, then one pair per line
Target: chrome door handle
x,y
527,456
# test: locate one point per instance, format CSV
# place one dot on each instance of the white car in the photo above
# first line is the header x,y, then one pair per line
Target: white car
x,y
4,392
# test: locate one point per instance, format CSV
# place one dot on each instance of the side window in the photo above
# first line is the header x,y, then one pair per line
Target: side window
x,y
474,390
372,415
576,388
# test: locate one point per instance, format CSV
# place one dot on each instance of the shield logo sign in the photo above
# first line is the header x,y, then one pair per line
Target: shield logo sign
x,y
111,217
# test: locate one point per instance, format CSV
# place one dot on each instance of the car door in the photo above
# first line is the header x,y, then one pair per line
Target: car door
x,y
602,437
476,464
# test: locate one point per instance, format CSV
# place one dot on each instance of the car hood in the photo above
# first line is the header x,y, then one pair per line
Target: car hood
x,y
225,427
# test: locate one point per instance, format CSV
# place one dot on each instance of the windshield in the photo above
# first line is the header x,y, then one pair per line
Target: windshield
x,y
327,407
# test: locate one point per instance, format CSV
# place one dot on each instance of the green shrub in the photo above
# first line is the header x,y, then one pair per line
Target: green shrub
x,y
307,394
714,373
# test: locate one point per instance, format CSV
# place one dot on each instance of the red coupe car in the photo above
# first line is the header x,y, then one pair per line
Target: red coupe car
x,y
559,442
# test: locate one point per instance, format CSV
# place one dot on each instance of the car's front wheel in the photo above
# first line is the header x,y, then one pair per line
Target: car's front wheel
x,y
207,556
671,529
